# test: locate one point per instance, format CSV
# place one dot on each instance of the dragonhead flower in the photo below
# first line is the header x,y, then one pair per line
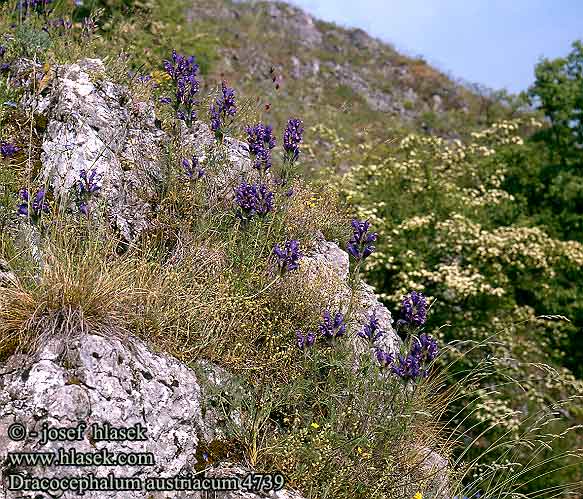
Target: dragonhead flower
x,y
361,245
332,327
35,207
192,169
304,341
371,330
7,150
414,309
407,367
223,108
253,199
425,348
87,185
288,255
292,138
183,71
261,140
385,359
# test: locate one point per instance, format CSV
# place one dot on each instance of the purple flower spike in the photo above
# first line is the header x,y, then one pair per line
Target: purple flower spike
x,y
33,208
425,348
361,245
332,327
183,71
288,256
261,140
385,359
223,108
88,184
192,169
253,199
414,309
292,138
371,330
7,150
408,367
305,341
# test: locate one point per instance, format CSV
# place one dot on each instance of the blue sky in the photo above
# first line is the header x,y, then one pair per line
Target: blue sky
x,y
493,42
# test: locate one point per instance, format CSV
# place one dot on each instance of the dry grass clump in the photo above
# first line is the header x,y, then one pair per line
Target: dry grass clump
x,y
81,286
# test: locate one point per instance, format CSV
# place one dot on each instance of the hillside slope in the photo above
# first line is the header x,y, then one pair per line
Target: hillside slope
x,y
330,75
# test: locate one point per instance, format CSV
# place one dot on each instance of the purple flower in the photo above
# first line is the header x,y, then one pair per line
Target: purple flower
x,y
371,330
183,72
414,309
27,6
305,341
261,140
2,51
292,138
424,348
61,25
192,169
360,245
7,150
385,359
223,107
253,199
88,184
165,100
332,327
35,207
408,367
288,256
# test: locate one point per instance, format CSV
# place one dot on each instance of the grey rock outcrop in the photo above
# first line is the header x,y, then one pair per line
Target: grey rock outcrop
x,y
93,126
98,380
96,125
330,263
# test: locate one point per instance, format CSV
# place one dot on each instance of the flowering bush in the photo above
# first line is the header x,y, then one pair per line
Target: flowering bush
x,y
462,240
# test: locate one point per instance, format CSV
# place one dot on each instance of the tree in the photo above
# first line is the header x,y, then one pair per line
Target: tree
x,y
558,92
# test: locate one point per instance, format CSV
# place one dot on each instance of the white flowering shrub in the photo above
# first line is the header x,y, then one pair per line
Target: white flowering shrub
x,y
502,286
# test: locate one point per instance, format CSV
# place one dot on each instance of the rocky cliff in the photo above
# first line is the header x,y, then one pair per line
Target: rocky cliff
x,y
116,382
